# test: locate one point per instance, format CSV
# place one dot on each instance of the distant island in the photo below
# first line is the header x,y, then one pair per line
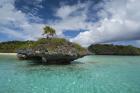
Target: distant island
x,y
110,49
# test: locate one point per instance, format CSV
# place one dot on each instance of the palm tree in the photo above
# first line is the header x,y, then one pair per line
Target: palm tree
x,y
49,31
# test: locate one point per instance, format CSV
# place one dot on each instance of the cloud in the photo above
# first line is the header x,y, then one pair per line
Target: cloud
x,y
137,43
119,21
66,11
72,17
15,24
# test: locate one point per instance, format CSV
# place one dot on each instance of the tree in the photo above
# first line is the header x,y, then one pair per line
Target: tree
x,y
49,31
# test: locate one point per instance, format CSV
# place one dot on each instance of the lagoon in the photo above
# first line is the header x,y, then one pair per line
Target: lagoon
x,y
91,74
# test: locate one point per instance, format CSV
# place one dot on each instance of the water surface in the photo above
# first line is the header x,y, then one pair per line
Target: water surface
x,y
91,74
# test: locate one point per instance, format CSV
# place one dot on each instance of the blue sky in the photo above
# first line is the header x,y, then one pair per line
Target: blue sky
x,y
83,21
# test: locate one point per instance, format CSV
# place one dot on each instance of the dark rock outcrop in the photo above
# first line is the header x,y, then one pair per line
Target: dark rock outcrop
x,y
52,52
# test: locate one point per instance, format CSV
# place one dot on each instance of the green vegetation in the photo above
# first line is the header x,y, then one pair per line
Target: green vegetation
x,y
106,49
45,43
53,43
50,44
53,40
78,47
13,46
49,31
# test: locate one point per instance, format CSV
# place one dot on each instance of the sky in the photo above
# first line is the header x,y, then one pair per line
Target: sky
x,y
82,21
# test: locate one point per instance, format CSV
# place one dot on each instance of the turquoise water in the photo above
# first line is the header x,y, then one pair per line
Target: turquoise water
x,y
95,74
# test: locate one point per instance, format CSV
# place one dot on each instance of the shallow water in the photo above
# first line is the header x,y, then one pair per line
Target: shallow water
x,y
91,74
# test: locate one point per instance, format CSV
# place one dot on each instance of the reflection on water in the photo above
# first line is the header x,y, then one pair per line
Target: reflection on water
x,y
91,74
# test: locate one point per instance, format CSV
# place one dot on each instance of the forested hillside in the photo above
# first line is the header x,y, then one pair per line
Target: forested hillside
x,y
109,49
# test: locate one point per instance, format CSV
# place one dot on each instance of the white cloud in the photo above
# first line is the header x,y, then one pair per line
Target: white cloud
x,y
15,24
72,17
12,34
119,21
137,43
66,11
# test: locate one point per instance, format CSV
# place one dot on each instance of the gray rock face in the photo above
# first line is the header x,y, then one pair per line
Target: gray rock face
x,y
61,54
54,50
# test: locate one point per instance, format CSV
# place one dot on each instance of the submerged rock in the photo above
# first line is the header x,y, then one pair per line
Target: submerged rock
x,y
53,51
